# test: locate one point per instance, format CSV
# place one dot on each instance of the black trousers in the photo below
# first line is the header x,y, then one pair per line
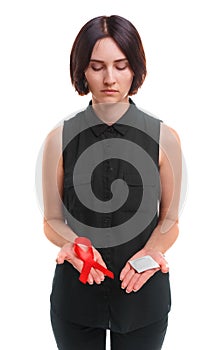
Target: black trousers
x,y
70,336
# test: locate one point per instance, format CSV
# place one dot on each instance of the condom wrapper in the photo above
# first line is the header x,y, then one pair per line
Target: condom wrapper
x,y
83,249
144,263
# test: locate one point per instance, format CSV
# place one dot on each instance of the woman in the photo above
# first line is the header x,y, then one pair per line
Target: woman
x,y
111,173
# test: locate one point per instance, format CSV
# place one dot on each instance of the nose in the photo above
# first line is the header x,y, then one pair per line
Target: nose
x,y
109,77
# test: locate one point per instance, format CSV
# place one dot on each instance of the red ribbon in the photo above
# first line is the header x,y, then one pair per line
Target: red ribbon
x,y
87,256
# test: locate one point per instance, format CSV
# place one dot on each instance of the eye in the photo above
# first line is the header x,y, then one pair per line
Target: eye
x,y
121,66
96,67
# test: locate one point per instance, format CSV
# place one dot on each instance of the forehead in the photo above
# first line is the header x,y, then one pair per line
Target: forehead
x,y
106,50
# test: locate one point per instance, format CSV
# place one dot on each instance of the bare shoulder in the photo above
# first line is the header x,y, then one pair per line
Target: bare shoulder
x,y
174,132
54,139
170,145
55,134
168,134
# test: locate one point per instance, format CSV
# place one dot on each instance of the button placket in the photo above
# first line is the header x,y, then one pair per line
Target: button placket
x,y
108,152
110,131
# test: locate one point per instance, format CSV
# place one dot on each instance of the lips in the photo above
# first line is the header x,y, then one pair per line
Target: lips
x,y
109,91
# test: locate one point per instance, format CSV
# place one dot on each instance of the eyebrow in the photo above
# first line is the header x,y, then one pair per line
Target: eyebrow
x,y
100,61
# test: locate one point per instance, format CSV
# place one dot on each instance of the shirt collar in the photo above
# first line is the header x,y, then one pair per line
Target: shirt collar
x,y
99,126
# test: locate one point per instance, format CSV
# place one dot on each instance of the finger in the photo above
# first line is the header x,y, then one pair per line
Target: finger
x,y
127,278
97,276
132,282
143,278
65,251
60,257
164,266
124,271
90,279
99,260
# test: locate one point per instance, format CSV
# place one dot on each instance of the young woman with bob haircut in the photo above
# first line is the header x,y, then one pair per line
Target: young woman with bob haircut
x,y
111,191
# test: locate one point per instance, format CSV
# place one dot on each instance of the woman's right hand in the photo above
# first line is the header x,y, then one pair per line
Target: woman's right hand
x,y
67,253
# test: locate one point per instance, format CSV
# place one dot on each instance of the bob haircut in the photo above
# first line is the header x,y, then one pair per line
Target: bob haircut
x,y
126,37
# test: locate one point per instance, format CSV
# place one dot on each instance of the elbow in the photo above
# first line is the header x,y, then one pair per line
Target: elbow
x,y
170,225
48,229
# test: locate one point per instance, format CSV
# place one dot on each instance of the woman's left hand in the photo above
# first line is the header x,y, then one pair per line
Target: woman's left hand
x,y
132,280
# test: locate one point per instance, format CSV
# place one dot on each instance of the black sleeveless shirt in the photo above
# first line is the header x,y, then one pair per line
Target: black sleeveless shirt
x,y
107,305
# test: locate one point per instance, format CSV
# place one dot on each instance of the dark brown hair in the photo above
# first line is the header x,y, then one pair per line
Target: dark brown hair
x,y
126,37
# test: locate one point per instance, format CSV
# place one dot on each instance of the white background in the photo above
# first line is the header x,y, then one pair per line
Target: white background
x,y
183,44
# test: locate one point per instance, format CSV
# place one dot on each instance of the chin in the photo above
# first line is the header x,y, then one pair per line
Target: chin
x,y
106,100
113,99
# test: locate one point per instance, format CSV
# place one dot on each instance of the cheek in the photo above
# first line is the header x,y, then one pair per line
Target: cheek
x,y
127,80
93,80
128,76
90,75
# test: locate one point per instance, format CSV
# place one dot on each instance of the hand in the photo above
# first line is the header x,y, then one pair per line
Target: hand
x,y
67,253
132,280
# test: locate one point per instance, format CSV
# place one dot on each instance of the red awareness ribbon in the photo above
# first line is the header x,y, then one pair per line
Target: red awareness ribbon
x,y
84,251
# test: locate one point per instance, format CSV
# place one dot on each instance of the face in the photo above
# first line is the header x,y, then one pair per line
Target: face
x,y
108,74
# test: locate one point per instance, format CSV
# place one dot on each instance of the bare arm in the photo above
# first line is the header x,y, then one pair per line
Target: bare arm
x,y
55,227
166,232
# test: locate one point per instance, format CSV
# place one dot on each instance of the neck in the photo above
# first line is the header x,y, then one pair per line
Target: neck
x,y
109,113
